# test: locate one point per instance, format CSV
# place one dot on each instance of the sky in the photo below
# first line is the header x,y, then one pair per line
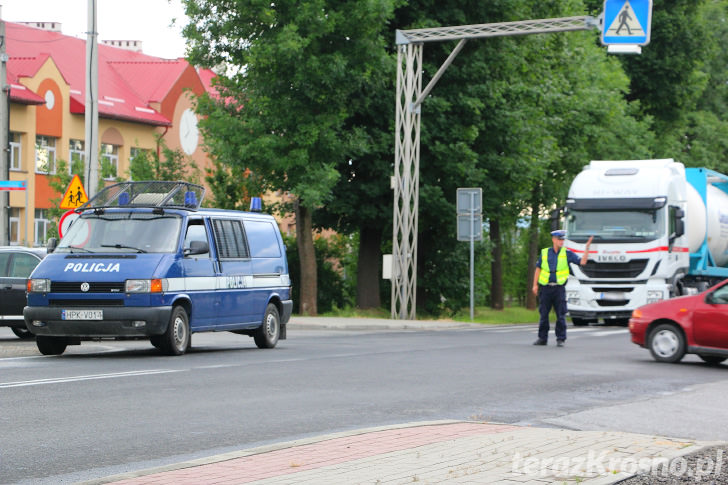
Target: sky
x,y
147,20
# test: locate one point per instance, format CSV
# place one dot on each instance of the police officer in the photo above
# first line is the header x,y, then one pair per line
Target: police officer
x,y
552,271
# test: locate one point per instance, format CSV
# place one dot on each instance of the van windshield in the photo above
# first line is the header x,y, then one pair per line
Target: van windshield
x,y
122,232
615,225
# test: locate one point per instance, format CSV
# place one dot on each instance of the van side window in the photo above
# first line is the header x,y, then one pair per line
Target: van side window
x,y
230,239
262,239
196,231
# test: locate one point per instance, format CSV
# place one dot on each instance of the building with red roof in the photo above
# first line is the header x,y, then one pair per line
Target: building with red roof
x,y
140,98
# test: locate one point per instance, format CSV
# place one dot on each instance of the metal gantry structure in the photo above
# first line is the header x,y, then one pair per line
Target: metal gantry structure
x,y
410,96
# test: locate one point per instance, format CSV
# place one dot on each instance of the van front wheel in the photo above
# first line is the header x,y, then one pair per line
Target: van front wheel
x,y
266,337
177,337
51,345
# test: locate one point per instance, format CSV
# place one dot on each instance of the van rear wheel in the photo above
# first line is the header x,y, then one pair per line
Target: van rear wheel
x,y
176,339
266,337
51,345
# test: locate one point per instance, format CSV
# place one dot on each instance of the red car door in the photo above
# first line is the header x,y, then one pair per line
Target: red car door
x,y
710,319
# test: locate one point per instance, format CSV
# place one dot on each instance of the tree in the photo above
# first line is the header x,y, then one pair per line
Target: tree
x,y
283,107
164,164
517,116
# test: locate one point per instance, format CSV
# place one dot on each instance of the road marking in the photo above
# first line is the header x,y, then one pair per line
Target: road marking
x,y
604,333
61,380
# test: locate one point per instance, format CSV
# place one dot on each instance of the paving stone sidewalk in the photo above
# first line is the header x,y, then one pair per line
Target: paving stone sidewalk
x,y
432,453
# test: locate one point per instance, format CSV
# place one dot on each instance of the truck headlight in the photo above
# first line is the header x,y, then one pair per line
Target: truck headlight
x,y
145,286
572,297
654,296
39,285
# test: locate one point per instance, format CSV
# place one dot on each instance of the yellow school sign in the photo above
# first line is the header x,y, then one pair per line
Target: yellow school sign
x,y
75,195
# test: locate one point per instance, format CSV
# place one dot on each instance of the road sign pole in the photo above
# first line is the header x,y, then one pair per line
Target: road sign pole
x,y
472,255
4,145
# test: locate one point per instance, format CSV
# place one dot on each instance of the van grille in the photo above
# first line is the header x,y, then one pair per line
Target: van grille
x,y
94,287
630,269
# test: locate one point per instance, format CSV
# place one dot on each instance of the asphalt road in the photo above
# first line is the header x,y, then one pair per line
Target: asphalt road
x,y
111,407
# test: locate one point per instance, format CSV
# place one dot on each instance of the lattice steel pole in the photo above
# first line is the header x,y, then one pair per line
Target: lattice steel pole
x,y
410,96
406,181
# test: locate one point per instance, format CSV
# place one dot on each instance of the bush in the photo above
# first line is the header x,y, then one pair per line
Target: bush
x,y
333,266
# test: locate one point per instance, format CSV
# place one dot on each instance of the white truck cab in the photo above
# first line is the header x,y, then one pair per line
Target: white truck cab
x,y
634,209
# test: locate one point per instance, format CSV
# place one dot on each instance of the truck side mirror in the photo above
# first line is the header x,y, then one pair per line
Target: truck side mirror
x,y
679,227
555,217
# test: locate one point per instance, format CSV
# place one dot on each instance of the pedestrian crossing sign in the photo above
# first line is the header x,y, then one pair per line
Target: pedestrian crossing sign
x,y
75,195
627,22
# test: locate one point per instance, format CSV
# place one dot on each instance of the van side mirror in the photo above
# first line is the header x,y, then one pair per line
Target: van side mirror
x,y
51,245
197,247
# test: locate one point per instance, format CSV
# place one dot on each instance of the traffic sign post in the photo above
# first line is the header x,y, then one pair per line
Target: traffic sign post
x,y
627,22
470,228
7,185
66,220
12,185
75,195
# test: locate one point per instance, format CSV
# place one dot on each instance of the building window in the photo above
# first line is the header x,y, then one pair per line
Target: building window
x,y
109,161
45,154
41,227
14,226
15,153
77,156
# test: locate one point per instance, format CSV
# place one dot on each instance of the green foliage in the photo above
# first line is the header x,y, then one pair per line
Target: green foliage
x,y
510,314
334,268
282,115
518,117
172,165
307,108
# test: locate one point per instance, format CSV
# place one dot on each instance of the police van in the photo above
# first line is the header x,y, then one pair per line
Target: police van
x,y
142,259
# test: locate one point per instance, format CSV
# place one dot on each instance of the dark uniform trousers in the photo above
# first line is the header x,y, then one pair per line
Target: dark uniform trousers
x,y
552,296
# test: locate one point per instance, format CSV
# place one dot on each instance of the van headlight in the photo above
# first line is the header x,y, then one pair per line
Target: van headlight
x,y
146,286
654,296
39,285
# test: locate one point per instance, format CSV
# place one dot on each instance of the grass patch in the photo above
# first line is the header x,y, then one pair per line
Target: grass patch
x,y
483,314
514,314
352,312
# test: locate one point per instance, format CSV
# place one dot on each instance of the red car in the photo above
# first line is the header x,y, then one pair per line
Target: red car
x,y
695,324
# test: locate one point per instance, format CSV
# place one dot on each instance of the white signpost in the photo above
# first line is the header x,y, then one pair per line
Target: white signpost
x,y
470,228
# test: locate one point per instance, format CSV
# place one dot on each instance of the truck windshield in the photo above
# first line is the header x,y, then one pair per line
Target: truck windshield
x,y
124,232
615,225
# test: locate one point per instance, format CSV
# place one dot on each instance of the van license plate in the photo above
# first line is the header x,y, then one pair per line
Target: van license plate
x,y
82,314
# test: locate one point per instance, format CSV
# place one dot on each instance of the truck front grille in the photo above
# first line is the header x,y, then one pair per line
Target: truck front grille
x,y
630,269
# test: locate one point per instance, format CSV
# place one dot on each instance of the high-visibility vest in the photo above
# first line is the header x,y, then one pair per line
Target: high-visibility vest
x,y
562,267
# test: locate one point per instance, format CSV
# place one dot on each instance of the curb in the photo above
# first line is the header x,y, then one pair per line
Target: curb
x,y
261,449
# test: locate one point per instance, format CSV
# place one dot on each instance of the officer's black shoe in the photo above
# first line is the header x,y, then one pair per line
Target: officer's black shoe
x,y
559,343
539,342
